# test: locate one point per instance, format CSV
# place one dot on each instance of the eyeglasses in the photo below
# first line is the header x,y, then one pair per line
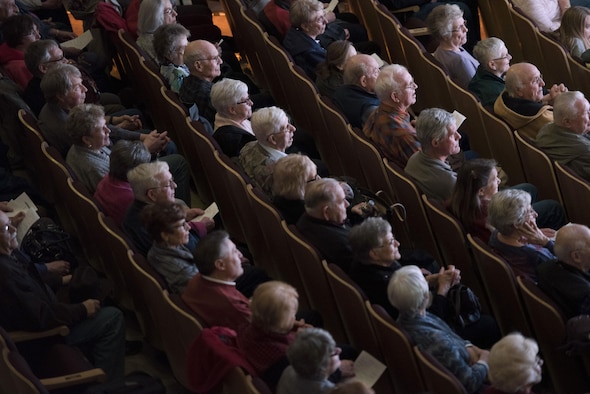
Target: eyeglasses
x,y
246,100
56,60
171,184
169,11
506,56
538,80
34,33
315,178
387,242
336,352
4,229
412,86
216,58
459,28
538,361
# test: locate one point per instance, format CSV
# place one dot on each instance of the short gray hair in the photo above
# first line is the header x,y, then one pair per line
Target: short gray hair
x,y
354,69
150,16
58,80
290,176
367,236
320,193
512,362
226,93
126,155
165,39
440,20
267,121
310,353
143,177
38,53
301,10
487,50
564,108
432,125
82,120
508,208
387,81
408,291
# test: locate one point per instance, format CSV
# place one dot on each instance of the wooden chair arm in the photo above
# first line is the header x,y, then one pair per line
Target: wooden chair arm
x,y
413,8
23,336
89,376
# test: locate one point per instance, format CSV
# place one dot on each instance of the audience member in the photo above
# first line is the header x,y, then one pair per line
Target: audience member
x,y
565,139
437,132
153,183
515,365
274,134
89,154
307,23
356,97
26,303
153,14
291,175
516,236
573,32
389,126
523,104
113,193
547,14
203,60
19,32
329,73
170,41
408,292
212,294
446,23
494,60
567,280
233,129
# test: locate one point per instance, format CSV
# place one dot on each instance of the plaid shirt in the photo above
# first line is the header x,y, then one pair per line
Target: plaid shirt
x,y
393,134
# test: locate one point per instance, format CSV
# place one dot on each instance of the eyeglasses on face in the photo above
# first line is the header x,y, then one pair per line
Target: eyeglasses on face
x,y
211,58
171,184
170,11
245,101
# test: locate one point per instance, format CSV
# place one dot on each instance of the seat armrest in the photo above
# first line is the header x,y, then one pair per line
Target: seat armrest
x,y
23,336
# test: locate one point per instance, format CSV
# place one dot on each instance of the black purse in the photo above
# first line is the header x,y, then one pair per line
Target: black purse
x,y
46,241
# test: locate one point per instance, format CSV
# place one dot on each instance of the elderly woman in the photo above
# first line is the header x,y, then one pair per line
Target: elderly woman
x,y
166,224
446,23
515,366
329,73
169,43
313,357
89,155
274,134
153,14
408,292
494,61
290,177
113,193
232,126
307,23
19,32
517,238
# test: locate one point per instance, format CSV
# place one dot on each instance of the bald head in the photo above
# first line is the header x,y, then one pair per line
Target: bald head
x,y
361,70
572,246
524,80
203,59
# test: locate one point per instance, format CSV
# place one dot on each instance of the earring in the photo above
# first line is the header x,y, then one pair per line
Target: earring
x,y
90,145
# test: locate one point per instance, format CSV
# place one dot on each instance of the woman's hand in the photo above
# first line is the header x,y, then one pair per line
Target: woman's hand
x,y
155,142
447,279
530,233
128,122
347,369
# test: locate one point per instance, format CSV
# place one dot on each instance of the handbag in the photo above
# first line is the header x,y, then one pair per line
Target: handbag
x,y
466,307
46,242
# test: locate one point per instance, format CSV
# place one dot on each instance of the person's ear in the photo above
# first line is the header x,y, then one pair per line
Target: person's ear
x,y
164,235
492,65
150,194
363,81
325,215
372,254
219,265
87,141
394,97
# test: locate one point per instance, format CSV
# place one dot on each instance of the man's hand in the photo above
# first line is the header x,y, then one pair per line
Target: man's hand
x,y
127,122
58,267
155,141
92,307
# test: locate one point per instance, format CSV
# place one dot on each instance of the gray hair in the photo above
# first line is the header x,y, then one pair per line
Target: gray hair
x,y
165,39
38,53
564,106
508,208
290,176
126,155
388,81
440,20
143,177
82,120
432,125
320,193
367,236
512,361
58,80
267,121
150,16
408,291
355,68
488,50
226,93
310,353
301,10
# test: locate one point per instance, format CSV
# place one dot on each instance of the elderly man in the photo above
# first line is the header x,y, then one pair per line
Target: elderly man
x,y
356,97
389,127
212,293
523,105
323,223
203,60
26,303
567,280
437,132
153,183
494,60
566,139
274,133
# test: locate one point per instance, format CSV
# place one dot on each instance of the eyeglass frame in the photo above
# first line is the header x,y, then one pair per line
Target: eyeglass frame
x,y
170,11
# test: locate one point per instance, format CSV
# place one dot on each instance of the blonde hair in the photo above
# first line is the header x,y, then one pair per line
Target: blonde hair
x,y
572,26
290,176
273,306
514,364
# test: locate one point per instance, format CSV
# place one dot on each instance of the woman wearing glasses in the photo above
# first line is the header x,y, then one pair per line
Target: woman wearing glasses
x,y
494,60
446,23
